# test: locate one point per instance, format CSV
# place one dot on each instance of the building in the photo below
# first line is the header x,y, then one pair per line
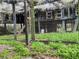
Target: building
x,y
51,15
55,16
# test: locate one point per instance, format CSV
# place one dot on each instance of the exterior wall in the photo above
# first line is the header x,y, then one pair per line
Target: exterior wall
x,y
47,26
1,18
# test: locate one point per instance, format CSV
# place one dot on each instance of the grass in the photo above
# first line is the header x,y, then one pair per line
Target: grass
x,y
69,51
48,36
18,46
65,51
18,49
59,36
11,37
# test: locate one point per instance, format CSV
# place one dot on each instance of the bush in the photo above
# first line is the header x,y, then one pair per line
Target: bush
x,y
69,52
56,45
40,48
19,48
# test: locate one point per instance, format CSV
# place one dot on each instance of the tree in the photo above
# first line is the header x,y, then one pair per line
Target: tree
x,y
25,22
77,19
32,16
32,20
78,14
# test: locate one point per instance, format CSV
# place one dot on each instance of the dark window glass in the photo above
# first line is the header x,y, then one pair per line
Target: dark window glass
x,y
65,12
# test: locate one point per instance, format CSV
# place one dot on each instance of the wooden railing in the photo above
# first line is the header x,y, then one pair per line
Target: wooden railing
x,y
43,19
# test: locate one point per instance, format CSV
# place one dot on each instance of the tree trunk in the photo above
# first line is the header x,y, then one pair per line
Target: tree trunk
x,y
14,19
78,15
4,22
32,20
77,19
25,22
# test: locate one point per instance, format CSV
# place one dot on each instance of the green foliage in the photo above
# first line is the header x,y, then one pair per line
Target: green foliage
x,y
4,54
40,48
56,45
56,49
70,51
59,36
11,37
19,48
22,51
48,36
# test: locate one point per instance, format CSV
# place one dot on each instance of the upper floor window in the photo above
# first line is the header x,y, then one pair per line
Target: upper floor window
x,y
65,12
69,12
49,14
51,0
72,12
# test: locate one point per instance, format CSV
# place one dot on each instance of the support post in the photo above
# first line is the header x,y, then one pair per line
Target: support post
x,y
63,25
38,24
4,22
77,18
63,21
75,25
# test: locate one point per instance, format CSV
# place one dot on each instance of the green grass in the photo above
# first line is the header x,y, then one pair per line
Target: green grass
x,y
11,37
58,49
69,51
66,51
59,36
18,48
49,36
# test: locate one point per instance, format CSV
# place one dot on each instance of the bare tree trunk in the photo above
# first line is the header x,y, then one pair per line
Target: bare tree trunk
x,y
14,19
4,22
78,14
25,22
32,20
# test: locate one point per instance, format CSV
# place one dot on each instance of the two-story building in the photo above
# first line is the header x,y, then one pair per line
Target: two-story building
x,y
51,15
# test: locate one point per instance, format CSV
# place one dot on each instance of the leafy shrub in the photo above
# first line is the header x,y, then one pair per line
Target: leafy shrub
x,y
56,45
40,48
19,48
59,36
22,50
69,52
49,36
4,54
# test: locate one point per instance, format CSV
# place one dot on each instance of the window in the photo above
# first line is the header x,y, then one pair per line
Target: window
x,y
49,15
51,0
72,12
58,14
66,12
